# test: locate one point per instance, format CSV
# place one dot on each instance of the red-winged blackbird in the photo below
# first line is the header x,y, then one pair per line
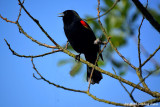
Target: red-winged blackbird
x,y
81,38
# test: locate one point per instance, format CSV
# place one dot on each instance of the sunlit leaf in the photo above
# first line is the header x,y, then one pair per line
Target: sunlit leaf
x,y
118,40
109,2
122,73
64,61
76,69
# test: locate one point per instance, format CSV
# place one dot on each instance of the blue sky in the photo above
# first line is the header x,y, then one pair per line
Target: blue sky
x,y
20,89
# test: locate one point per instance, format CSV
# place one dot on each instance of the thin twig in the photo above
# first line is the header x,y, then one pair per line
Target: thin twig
x,y
146,53
19,12
7,19
130,95
29,56
52,82
115,3
17,17
34,40
66,45
139,51
139,71
150,56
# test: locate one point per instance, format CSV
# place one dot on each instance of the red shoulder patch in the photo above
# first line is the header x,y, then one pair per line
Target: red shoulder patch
x,y
84,24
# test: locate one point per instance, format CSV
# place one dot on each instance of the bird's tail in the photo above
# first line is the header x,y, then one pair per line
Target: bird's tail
x,y
97,76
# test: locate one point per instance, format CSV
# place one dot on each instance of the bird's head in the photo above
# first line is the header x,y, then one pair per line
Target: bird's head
x,y
69,16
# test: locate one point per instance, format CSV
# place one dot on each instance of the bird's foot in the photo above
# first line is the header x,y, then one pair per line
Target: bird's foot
x,y
77,58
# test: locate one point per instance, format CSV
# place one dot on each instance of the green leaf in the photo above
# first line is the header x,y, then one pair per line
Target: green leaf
x,y
126,7
64,61
122,73
76,69
116,63
109,2
101,63
118,41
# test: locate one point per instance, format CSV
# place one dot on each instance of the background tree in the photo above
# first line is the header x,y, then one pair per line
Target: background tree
x,y
121,23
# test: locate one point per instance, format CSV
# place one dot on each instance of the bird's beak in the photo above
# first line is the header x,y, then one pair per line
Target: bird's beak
x,y
60,14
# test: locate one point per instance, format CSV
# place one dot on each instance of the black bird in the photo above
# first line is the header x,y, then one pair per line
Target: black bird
x,y
81,38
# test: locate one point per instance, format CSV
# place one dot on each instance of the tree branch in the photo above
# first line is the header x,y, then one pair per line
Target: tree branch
x,y
130,95
29,56
7,19
139,71
150,56
34,40
69,89
115,3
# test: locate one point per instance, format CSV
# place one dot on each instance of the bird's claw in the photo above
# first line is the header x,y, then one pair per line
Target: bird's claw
x,y
77,58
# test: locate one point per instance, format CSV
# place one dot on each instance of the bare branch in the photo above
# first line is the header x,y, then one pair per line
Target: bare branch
x,y
66,45
34,40
150,56
29,56
7,20
115,3
19,12
17,17
139,71
69,89
132,98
